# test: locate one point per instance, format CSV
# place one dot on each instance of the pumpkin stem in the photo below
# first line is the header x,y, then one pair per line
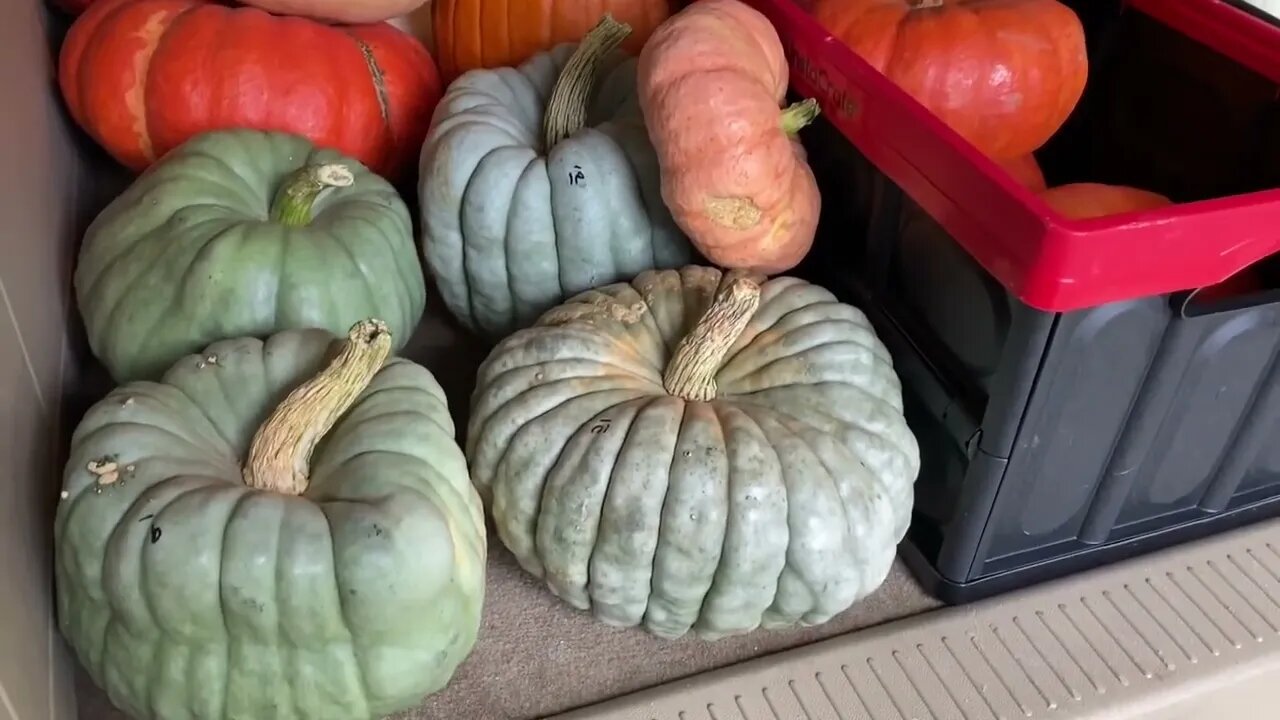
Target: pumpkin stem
x,y
298,192
280,453
566,111
797,115
925,4
691,372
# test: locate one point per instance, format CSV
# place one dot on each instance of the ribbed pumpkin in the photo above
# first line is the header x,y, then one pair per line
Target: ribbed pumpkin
x,y
329,564
710,81
241,232
472,34
539,182
693,450
1004,74
143,76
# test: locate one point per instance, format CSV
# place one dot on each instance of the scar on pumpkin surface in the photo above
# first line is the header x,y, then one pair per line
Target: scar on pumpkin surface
x,y
599,307
737,213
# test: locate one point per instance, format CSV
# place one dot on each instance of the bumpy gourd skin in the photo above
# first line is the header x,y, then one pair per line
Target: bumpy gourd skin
x,y
188,595
779,502
187,255
510,228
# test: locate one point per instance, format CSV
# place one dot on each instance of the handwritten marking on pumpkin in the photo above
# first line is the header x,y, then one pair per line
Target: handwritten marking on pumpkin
x,y
737,213
576,176
601,427
155,534
145,518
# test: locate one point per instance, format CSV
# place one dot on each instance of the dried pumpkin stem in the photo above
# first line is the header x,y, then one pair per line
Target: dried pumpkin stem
x,y
566,111
925,4
691,372
797,115
280,454
298,192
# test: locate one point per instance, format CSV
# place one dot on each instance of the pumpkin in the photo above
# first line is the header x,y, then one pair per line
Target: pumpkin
x,y
339,574
1025,171
697,450
339,11
242,232
417,22
711,80
143,76
472,34
1004,74
1090,200
539,182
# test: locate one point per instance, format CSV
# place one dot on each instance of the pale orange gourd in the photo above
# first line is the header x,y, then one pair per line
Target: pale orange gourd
x,y
711,82
1025,171
1079,201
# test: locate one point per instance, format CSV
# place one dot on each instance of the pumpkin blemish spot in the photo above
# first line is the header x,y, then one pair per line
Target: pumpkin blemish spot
x,y
105,470
126,401
212,359
735,213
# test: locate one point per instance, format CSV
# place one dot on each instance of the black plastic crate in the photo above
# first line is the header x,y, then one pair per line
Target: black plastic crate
x,y
1053,442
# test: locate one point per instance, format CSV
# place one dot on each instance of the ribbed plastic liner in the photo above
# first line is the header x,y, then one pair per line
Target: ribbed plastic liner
x,y
1190,633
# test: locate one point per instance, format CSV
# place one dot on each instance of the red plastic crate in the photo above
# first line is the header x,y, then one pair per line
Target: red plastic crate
x,y
1049,262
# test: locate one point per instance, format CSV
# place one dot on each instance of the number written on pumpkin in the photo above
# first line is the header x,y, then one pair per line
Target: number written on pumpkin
x,y
156,532
601,427
577,177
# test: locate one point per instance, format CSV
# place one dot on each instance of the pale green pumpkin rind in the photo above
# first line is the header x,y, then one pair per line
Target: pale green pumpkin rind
x,y
506,235
781,502
352,601
187,255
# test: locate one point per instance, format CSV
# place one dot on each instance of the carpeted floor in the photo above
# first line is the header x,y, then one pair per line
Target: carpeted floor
x,y
537,656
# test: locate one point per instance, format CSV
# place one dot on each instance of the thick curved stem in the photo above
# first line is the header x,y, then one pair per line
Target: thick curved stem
x,y
298,192
280,453
566,111
691,372
797,115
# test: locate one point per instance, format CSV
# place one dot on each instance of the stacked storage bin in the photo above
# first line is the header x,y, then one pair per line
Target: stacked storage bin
x,y
1083,390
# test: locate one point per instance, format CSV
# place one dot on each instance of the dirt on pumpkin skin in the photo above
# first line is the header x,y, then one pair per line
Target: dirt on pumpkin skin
x,y
598,307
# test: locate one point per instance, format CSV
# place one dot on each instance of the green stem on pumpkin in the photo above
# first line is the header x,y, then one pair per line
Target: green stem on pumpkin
x,y
280,453
797,115
298,192
691,372
566,111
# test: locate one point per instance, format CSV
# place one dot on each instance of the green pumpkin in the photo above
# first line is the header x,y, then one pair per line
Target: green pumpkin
x,y
338,586
673,462
244,233
539,182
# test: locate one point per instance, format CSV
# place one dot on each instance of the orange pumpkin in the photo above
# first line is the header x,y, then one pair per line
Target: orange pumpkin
x,y
1025,171
711,81
143,76
1090,200
1004,74
504,33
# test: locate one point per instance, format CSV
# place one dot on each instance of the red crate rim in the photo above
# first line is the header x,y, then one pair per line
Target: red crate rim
x,y
1050,262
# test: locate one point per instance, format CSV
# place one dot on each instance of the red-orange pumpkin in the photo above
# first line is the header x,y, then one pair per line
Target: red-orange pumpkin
x,y
1090,200
711,81
473,34
1004,74
142,76
1025,171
